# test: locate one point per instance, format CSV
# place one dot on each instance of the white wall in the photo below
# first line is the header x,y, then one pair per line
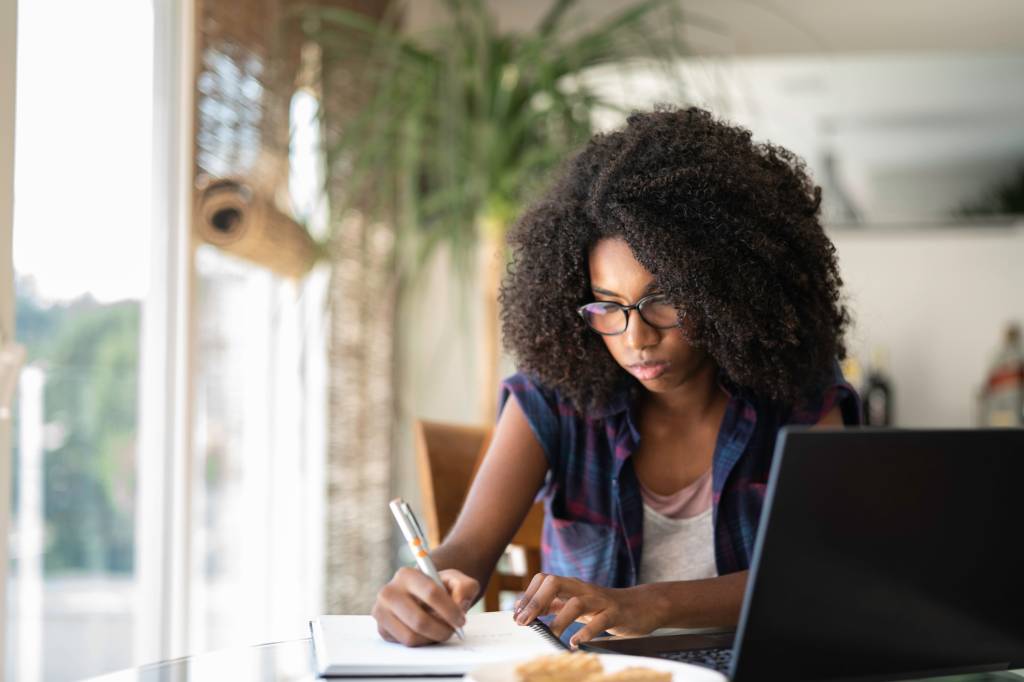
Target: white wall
x,y
438,351
937,299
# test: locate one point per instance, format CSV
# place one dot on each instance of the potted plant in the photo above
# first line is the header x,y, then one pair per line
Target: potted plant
x,y
463,121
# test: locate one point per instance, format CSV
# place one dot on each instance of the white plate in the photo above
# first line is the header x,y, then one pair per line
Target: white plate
x,y
681,672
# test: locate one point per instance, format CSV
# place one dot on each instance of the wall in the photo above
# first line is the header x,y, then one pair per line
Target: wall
x,y
438,353
937,299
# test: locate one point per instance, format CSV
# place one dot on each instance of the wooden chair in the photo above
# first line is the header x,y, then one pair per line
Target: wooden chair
x,y
447,457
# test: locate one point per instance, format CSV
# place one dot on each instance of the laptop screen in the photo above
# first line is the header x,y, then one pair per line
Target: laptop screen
x,y
886,553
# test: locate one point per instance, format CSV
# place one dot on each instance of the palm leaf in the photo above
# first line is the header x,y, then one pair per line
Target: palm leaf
x,y
465,121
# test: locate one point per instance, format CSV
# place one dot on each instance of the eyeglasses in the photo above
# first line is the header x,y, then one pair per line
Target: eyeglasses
x,y
609,318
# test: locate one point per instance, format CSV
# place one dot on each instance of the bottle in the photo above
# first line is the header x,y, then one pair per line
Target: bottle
x,y
1003,393
877,395
853,373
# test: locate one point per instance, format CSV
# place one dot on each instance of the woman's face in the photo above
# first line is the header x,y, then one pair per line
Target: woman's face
x,y
661,359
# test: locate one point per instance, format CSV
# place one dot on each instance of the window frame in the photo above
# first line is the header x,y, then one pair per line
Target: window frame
x,y
164,459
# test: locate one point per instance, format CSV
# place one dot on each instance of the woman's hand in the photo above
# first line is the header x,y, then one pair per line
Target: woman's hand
x,y
414,610
623,611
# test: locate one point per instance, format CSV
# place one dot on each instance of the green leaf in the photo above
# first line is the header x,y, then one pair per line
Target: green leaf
x,y
466,120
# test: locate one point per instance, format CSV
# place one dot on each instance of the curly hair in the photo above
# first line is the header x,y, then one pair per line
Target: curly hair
x,y
730,231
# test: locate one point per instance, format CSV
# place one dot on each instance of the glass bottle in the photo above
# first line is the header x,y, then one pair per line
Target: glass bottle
x,y
878,394
1003,392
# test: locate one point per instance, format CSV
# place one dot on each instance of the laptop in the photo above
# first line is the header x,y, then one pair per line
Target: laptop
x,y
882,554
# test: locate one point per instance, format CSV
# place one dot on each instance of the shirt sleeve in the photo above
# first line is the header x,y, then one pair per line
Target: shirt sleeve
x,y
837,391
540,406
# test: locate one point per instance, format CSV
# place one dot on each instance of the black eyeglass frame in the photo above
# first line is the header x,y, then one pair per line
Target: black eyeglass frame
x,y
638,307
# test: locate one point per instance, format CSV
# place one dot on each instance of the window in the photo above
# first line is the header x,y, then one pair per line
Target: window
x,y
82,181
170,428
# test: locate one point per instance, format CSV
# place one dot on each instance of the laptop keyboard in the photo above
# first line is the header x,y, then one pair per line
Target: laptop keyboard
x,y
716,659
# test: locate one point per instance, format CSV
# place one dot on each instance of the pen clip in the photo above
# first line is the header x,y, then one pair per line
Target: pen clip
x,y
415,523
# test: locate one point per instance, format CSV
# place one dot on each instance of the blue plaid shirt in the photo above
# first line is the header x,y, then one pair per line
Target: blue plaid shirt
x,y
593,527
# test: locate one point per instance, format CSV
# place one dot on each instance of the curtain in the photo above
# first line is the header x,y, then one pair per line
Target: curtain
x,y
362,371
250,55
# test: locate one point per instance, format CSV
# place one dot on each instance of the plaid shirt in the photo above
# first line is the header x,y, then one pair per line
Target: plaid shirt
x,y
593,526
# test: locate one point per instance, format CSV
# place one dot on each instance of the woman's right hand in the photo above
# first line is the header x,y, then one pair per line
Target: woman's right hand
x,y
414,610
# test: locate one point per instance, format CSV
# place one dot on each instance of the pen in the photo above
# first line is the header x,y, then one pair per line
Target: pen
x,y
410,528
407,510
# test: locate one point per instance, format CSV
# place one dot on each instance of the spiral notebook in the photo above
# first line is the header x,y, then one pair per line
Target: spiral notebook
x,y
349,646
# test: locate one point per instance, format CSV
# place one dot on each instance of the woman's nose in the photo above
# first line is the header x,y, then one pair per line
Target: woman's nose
x,y
639,334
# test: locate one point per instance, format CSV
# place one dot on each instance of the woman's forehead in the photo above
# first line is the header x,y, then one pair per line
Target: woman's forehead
x,y
614,267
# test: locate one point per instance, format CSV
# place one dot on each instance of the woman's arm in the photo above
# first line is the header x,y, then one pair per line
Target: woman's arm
x,y
411,608
501,495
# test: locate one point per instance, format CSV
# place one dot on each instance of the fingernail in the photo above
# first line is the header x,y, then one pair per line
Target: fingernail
x,y
574,643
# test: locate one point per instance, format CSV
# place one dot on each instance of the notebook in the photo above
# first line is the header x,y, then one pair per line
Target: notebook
x,y
349,646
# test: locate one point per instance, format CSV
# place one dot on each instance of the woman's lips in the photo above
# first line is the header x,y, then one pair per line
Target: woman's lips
x,y
645,371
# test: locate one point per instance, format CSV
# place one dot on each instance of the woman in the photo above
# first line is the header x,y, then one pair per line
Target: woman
x,y
671,303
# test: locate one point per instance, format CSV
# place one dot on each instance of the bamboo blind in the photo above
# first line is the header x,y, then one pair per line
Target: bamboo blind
x,y
247,64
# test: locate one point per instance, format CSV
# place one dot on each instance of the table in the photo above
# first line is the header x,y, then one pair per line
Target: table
x,y
293,661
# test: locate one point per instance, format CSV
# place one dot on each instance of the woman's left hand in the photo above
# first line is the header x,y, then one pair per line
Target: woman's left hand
x,y
621,611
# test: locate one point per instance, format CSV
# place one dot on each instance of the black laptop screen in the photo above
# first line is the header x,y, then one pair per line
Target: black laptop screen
x,y
885,553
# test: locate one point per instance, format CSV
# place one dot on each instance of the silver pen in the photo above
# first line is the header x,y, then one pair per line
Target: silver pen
x,y
407,510
410,528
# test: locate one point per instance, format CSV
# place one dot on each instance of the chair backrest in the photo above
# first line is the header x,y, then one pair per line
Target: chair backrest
x,y
447,457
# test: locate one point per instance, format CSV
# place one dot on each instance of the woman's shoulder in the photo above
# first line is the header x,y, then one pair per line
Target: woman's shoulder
x,y
835,392
535,395
544,408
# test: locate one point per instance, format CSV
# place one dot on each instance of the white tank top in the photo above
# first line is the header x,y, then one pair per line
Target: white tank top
x,y
678,534
677,549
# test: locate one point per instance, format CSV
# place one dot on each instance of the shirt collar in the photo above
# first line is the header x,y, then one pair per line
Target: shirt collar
x,y
619,402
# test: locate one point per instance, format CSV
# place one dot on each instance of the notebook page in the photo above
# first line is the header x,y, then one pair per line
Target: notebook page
x,y
351,645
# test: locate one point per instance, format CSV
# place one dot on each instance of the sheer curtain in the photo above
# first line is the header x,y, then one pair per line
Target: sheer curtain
x,y
259,377
251,62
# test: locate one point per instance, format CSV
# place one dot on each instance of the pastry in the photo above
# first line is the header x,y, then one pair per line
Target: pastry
x,y
574,667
